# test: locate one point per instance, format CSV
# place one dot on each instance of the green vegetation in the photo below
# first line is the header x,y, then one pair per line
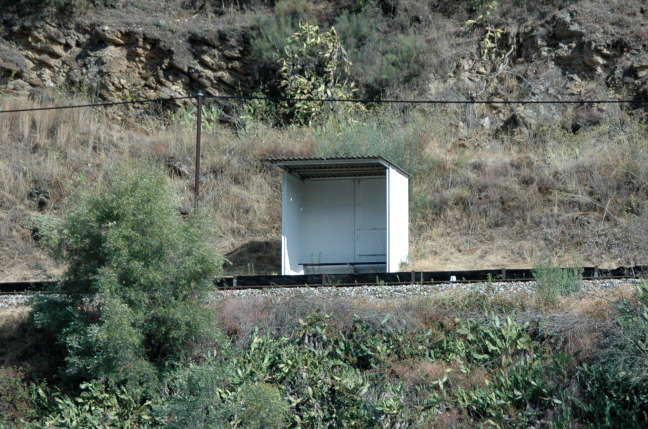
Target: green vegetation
x,y
146,270
355,49
553,282
402,366
313,64
615,383
133,340
381,62
15,396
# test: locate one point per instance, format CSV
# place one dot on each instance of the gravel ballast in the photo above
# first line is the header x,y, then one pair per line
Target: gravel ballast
x,y
377,292
404,291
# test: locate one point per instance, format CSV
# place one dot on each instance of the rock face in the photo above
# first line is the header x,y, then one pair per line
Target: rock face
x,y
119,61
586,44
586,50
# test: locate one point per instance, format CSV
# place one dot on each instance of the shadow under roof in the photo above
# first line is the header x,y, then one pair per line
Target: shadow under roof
x,y
349,166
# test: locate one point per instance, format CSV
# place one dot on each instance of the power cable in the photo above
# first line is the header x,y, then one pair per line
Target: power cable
x,y
397,101
106,104
326,100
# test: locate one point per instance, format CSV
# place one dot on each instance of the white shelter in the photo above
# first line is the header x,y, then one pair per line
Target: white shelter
x,y
343,215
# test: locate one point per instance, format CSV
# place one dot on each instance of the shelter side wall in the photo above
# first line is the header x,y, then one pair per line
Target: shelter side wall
x,y
292,206
398,219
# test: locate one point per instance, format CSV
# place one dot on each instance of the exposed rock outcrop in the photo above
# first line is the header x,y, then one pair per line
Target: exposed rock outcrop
x,y
582,51
120,62
578,53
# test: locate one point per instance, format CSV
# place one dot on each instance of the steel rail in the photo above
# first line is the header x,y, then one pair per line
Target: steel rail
x,y
30,288
407,283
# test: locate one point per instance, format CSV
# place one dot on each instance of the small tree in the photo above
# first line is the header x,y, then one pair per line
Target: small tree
x,y
312,65
131,295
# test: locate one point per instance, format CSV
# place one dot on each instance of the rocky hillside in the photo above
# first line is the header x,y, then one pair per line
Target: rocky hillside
x,y
493,185
441,49
131,51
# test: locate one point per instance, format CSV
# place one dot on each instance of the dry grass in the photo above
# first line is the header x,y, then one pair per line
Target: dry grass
x,y
441,312
418,371
578,325
586,320
413,372
479,200
13,338
598,305
51,155
449,419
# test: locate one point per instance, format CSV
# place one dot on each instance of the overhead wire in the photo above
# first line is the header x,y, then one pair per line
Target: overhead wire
x,y
325,100
424,101
104,104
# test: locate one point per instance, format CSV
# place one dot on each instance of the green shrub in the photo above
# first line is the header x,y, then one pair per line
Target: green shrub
x,y
615,384
131,297
268,40
15,397
553,282
196,395
487,341
260,406
313,64
613,397
381,61
98,407
517,394
368,135
214,394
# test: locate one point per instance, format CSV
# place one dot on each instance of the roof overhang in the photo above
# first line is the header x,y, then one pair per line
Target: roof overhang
x,y
315,168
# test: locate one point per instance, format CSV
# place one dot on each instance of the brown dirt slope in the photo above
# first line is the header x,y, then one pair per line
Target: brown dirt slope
x,y
492,186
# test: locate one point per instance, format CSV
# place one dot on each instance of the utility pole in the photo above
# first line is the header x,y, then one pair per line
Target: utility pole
x,y
199,107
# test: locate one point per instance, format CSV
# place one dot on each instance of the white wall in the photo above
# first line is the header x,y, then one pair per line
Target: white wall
x,y
291,210
397,219
344,220
327,224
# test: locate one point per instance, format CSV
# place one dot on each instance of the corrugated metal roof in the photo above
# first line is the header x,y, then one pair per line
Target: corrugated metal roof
x,y
323,167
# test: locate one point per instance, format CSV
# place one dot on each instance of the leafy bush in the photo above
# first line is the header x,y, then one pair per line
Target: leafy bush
x,y
205,396
313,64
268,40
131,295
484,342
615,384
381,61
98,407
343,135
375,373
260,406
553,282
15,397
515,394
611,399
343,379
196,395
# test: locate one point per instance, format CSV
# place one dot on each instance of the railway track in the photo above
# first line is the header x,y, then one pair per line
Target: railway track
x,y
361,280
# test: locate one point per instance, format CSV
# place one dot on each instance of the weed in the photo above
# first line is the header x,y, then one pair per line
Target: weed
x,y
15,397
554,282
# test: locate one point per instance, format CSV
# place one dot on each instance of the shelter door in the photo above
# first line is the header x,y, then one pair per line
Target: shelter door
x,y
370,220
